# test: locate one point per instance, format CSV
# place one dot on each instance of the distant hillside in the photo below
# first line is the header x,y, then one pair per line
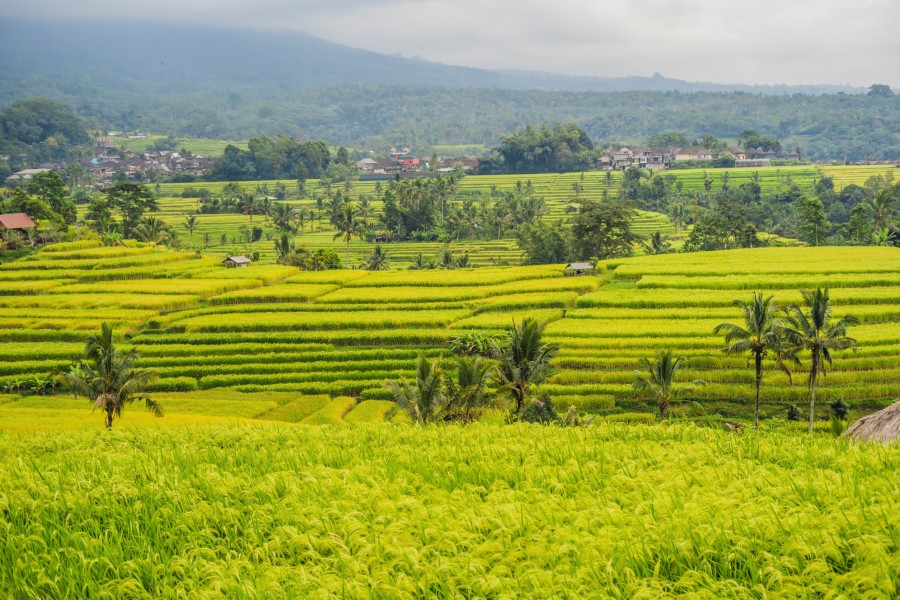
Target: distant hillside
x,y
82,57
234,84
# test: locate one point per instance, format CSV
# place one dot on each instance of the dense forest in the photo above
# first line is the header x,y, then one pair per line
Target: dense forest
x,y
829,127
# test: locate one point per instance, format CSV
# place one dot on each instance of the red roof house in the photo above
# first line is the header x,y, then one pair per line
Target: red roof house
x,y
16,221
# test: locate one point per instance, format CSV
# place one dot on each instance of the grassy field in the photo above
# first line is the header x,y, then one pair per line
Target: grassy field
x,y
483,511
200,146
276,340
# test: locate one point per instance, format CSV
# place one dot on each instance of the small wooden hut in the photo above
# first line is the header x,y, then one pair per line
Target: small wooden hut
x,y
575,269
883,426
233,262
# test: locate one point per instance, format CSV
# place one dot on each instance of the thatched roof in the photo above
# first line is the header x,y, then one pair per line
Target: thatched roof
x,y
883,426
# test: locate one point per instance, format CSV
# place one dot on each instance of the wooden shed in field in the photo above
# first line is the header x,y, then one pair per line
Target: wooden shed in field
x,y
579,268
18,221
233,262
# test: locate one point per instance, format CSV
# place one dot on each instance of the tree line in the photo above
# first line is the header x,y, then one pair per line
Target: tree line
x,y
490,373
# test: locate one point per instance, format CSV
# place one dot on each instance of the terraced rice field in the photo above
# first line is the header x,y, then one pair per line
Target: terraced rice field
x,y
272,342
555,188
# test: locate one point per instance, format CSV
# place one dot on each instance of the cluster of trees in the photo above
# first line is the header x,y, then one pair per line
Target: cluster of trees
x,y
41,130
120,211
785,332
563,147
485,372
319,259
281,157
731,216
489,373
45,200
420,210
44,197
826,126
599,230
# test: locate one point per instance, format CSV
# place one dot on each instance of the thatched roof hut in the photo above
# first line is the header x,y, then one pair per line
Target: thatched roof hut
x,y
883,426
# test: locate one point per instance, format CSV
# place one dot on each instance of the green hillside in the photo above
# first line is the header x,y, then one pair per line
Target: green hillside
x,y
270,341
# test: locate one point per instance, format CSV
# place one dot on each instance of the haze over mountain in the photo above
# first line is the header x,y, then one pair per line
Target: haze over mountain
x,y
234,84
79,56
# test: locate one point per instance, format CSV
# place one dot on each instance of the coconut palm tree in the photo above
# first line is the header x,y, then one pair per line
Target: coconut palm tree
x,y
813,330
524,360
348,225
378,260
284,247
152,230
247,204
757,336
678,214
658,379
283,217
109,378
425,400
191,224
469,393
882,205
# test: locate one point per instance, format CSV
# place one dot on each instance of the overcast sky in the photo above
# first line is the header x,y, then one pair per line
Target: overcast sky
x,y
726,41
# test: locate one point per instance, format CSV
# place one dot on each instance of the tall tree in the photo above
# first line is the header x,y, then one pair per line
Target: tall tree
x,y
132,200
756,337
524,360
348,225
883,204
468,394
378,260
813,225
191,224
49,187
108,378
813,330
424,400
658,379
603,229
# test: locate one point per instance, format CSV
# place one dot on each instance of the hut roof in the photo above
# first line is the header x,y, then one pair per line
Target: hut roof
x,y
238,260
580,266
16,221
883,426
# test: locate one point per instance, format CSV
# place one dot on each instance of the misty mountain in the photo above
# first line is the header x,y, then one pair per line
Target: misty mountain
x,y
235,84
67,59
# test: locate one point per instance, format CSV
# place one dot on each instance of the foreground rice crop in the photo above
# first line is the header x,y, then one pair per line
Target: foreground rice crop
x,y
611,511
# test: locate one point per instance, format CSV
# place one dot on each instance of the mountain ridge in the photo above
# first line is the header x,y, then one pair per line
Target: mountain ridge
x,y
166,58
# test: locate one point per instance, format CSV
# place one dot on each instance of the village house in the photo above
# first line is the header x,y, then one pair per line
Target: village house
x,y
16,222
737,153
693,153
24,175
652,159
753,162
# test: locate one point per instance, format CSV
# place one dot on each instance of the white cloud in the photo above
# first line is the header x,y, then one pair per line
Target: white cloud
x,y
760,41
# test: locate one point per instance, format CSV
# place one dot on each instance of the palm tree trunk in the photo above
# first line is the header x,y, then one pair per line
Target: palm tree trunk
x,y
758,385
109,417
663,409
813,380
348,252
